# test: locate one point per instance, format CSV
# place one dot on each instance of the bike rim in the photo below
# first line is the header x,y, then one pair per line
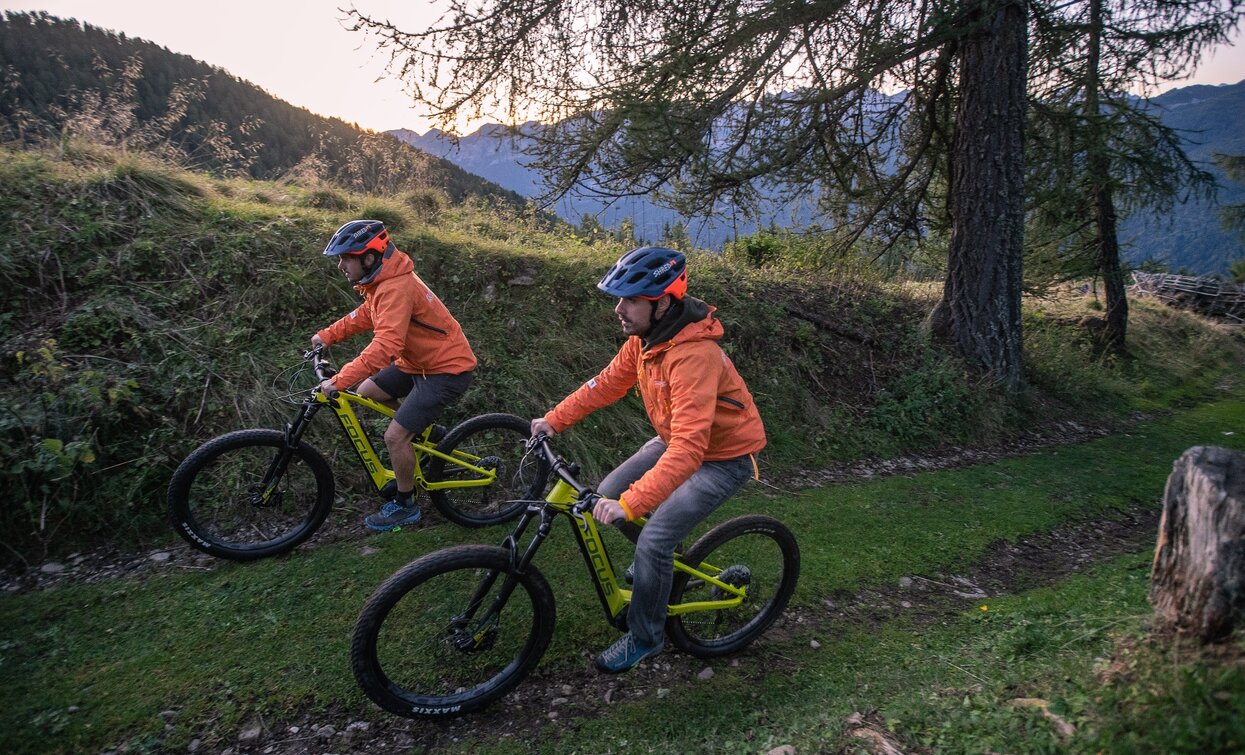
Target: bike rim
x,y
432,654
753,560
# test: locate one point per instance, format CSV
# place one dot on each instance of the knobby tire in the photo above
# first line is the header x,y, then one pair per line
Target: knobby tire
x,y
213,506
416,654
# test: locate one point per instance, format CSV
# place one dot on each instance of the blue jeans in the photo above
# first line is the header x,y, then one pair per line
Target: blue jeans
x,y
668,525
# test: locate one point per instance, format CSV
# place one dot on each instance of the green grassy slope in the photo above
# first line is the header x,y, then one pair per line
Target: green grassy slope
x,y
92,666
145,309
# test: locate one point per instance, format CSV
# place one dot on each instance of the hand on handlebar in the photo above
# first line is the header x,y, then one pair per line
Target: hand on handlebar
x,y
317,342
328,389
541,426
608,511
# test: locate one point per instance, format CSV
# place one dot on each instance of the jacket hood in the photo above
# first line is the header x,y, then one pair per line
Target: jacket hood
x,y
393,264
688,320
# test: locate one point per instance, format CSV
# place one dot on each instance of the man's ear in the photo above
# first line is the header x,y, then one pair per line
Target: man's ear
x,y
663,306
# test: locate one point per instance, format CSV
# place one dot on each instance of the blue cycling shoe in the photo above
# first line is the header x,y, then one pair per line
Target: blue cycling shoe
x,y
624,655
393,516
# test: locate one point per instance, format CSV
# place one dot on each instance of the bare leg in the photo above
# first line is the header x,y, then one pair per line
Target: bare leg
x,y
401,455
369,389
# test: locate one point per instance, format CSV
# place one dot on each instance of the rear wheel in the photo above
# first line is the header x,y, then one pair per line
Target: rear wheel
x,y
234,497
435,640
754,552
497,443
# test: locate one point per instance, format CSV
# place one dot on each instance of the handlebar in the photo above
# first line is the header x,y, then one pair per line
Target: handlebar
x,y
566,471
321,367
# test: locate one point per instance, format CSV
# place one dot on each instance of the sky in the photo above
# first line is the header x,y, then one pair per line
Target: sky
x,y
299,50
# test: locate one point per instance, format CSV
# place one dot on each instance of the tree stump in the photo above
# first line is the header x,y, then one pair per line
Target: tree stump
x,y
1197,584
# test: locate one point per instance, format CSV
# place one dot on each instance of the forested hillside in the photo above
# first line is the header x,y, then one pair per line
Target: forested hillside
x,y
60,74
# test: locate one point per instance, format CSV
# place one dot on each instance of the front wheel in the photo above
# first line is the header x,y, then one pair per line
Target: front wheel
x,y
496,443
244,496
756,553
451,632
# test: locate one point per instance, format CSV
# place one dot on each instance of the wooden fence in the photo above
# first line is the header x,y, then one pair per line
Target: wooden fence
x,y
1206,296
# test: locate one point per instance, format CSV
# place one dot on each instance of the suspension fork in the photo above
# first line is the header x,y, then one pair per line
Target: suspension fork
x,y
293,436
518,565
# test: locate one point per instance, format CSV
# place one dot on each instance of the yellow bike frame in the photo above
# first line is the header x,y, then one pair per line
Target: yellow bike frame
x,y
614,598
343,406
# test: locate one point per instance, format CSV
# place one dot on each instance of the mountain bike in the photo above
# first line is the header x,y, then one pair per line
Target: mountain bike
x,y
457,629
254,493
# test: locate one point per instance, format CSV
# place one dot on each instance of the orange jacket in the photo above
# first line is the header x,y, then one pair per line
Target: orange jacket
x,y
695,399
413,329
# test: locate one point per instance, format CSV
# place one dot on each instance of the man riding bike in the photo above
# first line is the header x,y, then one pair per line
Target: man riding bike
x,y
418,352
708,431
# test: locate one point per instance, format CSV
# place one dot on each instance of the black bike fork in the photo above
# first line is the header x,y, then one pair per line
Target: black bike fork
x,y
293,436
518,566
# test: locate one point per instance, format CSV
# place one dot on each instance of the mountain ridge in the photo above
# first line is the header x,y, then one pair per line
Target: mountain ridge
x,y
47,59
1191,239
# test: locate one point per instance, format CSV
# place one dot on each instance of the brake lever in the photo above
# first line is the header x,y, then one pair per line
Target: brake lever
x,y
587,501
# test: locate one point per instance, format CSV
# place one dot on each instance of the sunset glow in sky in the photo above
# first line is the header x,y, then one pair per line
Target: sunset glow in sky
x,y
299,50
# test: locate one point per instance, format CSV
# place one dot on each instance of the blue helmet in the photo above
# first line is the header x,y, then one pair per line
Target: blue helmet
x,y
649,272
357,237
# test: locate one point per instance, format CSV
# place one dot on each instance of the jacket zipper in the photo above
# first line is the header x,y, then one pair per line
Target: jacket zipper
x,y
426,326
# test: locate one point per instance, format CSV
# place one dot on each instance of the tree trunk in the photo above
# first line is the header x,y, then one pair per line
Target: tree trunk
x,y
1198,579
980,308
1111,271
1106,236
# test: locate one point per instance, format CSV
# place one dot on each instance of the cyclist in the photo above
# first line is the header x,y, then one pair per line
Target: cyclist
x,y
708,431
418,351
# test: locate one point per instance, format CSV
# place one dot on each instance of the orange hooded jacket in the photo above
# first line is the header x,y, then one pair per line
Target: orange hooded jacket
x,y
696,400
413,329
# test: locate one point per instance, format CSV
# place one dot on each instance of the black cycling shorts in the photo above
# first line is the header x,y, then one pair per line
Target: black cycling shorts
x,y
424,396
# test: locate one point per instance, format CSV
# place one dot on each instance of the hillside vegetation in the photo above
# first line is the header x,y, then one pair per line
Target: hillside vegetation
x,y
146,309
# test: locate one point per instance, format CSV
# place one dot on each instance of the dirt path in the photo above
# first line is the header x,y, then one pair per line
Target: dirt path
x,y
103,564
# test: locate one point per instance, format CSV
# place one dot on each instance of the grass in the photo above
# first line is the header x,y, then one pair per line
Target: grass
x,y
271,638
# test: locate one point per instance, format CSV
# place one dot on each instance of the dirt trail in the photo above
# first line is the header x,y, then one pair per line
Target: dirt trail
x,y
103,564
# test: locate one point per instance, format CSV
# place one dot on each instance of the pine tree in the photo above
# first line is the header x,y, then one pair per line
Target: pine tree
x,y
706,102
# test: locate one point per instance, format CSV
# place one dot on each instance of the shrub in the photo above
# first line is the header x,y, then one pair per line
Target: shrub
x,y
427,204
326,198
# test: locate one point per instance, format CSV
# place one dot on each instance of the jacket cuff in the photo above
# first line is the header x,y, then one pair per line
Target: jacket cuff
x,y
551,418
631,516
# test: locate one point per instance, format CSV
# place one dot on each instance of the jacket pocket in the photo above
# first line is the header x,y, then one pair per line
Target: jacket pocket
x,y
426,326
